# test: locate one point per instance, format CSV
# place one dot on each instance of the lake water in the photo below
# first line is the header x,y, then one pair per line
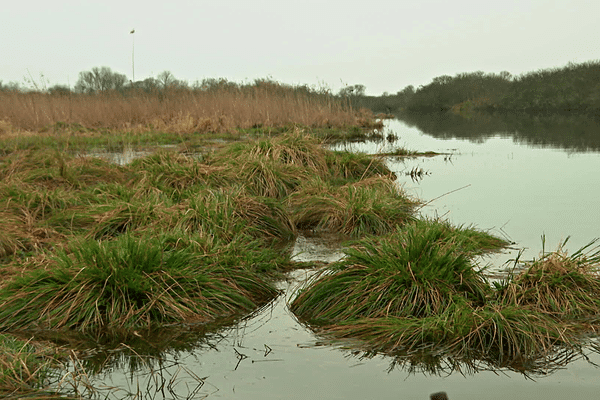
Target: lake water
x,y
498,182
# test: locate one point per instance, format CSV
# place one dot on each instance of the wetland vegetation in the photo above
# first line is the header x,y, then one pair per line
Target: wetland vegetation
x,y
197,232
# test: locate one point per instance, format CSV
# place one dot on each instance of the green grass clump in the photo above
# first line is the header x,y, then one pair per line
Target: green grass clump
x,y
371,206
176,174
348,166
418,271
230,212
273,167
118,217
418,291
292,148
129,283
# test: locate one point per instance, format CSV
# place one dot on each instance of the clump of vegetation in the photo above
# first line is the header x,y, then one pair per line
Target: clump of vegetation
x,y
273,167
129,283
557,284
418,271
417,291
369,206
348,167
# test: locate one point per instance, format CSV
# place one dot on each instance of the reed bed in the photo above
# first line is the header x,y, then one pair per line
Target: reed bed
x,y
221,109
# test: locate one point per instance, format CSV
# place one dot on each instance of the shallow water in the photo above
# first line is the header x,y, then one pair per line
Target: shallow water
x,y
515,190
272,356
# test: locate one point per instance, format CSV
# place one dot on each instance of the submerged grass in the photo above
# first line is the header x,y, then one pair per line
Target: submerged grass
x,y
26,368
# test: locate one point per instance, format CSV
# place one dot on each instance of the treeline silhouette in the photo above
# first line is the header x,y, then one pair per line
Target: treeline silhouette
x,y
573,88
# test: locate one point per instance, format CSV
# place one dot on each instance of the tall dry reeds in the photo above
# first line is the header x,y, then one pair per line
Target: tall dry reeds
x,y
183,110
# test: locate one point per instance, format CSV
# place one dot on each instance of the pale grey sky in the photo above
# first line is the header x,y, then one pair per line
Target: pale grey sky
x,y
382,44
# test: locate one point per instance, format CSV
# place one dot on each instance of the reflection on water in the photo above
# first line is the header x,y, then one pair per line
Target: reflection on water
x,y
574,133
124,157
318,248
269,355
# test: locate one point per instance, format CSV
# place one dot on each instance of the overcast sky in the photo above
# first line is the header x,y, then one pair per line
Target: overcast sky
x,y
382,44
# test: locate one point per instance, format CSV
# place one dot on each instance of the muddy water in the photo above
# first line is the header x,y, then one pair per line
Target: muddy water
x,y
515,190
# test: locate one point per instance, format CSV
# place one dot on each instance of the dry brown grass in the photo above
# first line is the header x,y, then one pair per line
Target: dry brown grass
x,y
559,284
180,110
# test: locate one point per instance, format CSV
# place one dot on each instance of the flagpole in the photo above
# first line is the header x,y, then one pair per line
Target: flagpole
x,y
133,55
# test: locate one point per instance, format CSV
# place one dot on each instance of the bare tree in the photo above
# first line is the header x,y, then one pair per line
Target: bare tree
x,y
166,79
353,90
99,79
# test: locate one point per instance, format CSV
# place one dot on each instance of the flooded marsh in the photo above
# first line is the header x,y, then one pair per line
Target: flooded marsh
x,y
252,214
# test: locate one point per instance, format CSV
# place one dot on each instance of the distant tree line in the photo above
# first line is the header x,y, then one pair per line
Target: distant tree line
x,y
103,80
573,88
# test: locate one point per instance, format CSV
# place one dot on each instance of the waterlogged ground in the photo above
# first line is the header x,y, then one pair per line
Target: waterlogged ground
x,y
515,190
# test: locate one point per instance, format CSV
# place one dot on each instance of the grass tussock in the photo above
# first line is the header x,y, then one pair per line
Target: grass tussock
x,y
417,291
371,206
558,284
355,166
273,167
418,271
128,283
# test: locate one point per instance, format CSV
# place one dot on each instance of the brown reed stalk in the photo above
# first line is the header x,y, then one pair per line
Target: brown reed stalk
x,y
185,110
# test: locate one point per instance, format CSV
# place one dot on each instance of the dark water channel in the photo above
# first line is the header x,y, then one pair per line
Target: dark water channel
x,y
498,182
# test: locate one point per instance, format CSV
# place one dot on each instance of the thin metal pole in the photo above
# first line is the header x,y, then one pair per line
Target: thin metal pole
x,y
133,55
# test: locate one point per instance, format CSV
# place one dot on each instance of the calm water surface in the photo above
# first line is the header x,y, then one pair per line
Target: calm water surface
x,y
515,190
518,191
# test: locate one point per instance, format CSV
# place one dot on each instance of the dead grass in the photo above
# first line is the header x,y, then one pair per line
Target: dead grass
x,y
269,104
559,284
